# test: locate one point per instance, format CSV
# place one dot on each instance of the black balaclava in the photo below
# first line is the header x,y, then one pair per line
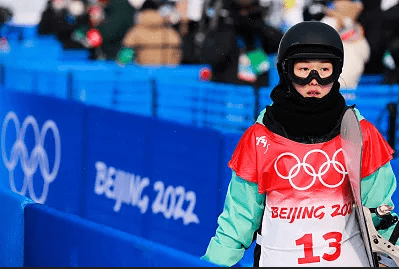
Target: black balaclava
x,y
307,120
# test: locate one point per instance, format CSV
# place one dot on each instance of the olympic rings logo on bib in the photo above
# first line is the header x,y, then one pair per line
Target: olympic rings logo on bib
x,y
310,170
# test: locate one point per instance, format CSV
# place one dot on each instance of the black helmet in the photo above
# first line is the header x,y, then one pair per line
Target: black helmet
x,y
310,40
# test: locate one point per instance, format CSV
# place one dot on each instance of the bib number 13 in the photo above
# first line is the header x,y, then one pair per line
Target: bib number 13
x,y
334,239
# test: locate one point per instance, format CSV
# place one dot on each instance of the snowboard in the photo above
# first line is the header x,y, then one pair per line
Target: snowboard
x,y
380,252
352,146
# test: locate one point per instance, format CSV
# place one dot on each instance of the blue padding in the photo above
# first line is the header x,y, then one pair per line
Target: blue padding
x,y
12,228
186,163
153,178
221,106
274,78
371,79
180,115
372,91
228,107
33,77
264,97
375,111
83,65
119,143
134,91
39,49
54,238
74,54
95,87
229,143
178,74
182,104
372,101
20,32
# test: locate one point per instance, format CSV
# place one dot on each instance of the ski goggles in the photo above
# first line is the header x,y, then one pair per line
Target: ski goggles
x,y
288,68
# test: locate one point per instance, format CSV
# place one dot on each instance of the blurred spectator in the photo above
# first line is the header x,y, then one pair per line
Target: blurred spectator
x,y
238,43
391,39
61,18
378,25
293,12
387,4
190,14
25,12
371,20
315,10
109,20
274,13
342,15
5,15
153,40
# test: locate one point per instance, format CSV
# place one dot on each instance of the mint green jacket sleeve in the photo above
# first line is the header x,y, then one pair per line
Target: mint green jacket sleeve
x,y
377,189
241,217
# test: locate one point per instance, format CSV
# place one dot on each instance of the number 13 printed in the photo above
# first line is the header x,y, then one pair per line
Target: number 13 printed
x,y
307,242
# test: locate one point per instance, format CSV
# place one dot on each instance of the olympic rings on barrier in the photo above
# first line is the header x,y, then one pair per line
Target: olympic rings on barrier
x,y
37,158
310,170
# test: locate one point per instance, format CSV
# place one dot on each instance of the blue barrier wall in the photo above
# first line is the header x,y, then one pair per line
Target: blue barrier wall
x,y
12,225
156,179
153,178
54,238
230,141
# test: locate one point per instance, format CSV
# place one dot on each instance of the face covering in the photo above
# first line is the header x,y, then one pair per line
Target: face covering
x,y
304,119
76,8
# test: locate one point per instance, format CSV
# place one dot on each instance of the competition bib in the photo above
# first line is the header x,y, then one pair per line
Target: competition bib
x,y
309,218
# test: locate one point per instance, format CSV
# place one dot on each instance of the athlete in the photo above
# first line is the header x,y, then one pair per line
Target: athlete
x,y
289,189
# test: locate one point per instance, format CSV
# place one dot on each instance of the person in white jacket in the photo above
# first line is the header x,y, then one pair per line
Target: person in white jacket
x,y
25,13
342,16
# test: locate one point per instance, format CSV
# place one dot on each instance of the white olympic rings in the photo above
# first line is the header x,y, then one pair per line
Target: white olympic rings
x,y
38,156
310,170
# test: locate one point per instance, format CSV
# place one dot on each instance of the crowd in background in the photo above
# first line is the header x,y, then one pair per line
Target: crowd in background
x,y
234,37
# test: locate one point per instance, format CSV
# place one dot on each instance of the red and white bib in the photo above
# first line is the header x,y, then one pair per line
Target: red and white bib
x,y
309,218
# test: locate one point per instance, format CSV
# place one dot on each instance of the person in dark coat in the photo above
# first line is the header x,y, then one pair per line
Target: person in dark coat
x,y
391,39
109,20
61,18
227,46
371,20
